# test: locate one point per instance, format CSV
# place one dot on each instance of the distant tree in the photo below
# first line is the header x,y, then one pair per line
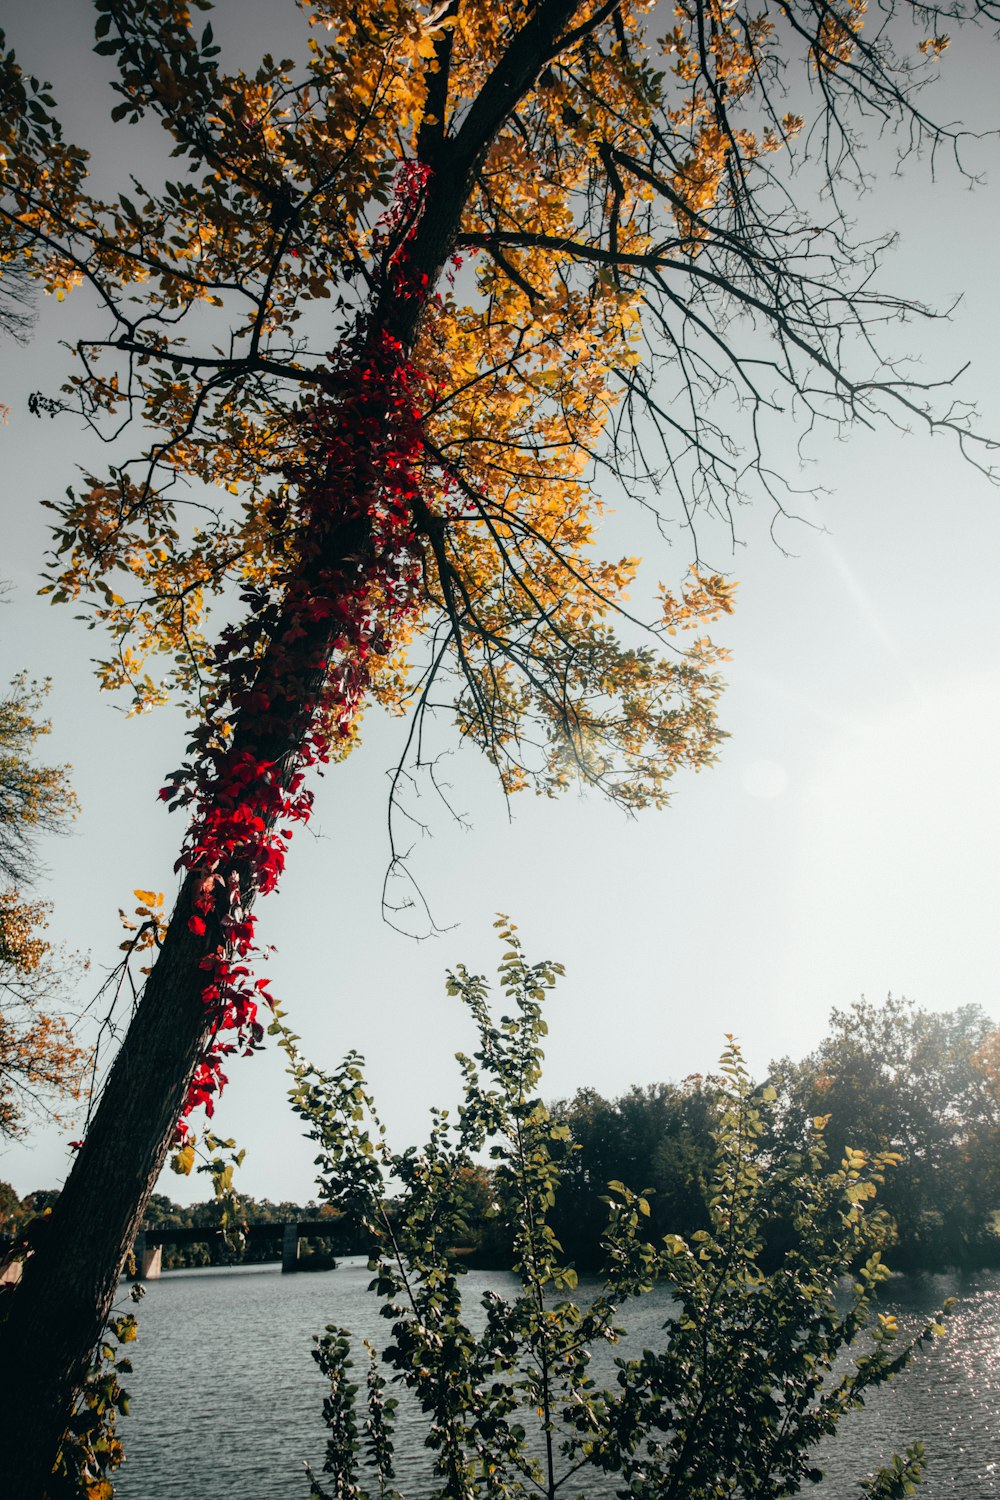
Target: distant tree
x,y
162,1213
41,1063
25,1214
475,1199
39,1199
917,1083
10,1206
987,1062
657,1140
34,799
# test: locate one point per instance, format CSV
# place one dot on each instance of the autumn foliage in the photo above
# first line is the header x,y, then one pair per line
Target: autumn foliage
x,y
417,304
40,1060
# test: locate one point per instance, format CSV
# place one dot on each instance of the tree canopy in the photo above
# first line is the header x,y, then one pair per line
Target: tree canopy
x,y
657,1140
584,235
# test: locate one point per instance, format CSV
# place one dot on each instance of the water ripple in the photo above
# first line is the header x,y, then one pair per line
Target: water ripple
x,y
227,1401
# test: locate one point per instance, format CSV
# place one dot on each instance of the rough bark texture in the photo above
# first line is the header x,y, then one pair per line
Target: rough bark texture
x,y
57,1313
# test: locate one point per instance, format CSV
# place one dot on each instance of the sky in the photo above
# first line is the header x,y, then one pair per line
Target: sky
x,y
845,844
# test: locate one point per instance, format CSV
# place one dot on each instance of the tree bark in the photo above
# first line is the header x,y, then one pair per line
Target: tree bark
x,y
58,1312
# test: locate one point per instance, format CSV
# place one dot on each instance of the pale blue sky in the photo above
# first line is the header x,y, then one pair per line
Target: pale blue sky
x,y
845,844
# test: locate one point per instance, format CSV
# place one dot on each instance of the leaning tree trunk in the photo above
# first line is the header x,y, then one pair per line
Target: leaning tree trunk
x,y
53,1320
297,659
58,1312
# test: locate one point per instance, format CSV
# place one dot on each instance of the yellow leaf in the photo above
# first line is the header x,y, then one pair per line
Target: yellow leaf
x,y
182,1161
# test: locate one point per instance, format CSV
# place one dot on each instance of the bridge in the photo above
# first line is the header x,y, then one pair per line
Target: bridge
x,y
283,1238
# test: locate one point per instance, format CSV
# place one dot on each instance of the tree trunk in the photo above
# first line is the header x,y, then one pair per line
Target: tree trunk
x,y
57,1314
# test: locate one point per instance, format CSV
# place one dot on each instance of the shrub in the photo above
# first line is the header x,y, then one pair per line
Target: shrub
x,y
750,1374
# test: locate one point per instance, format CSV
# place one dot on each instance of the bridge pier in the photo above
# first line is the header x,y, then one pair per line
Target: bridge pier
x,y
148,1258
290,1248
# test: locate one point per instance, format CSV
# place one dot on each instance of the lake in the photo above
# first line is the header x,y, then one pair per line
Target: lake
x,y
227,1401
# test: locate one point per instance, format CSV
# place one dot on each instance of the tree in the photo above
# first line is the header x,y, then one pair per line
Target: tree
x,y
897,1078
40,1060
16,288
10,1205
414,469
34,799
753,1367
656,1140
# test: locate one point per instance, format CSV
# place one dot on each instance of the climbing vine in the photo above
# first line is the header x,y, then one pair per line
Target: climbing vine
x,y
301,654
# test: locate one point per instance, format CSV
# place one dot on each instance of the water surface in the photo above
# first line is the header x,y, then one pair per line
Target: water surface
x,y
227,1401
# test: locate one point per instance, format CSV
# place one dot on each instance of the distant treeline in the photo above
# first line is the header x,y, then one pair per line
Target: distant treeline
x,y
891,1077
921,1084
894,1078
